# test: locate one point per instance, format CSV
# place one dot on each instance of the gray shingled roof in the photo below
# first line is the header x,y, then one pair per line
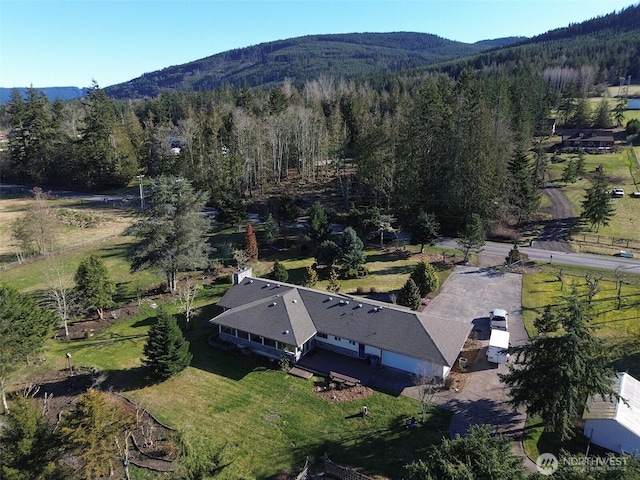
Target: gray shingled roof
x,y
304,311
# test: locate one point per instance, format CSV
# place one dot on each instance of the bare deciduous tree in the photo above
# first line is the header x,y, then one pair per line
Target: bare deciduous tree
x,y
186,296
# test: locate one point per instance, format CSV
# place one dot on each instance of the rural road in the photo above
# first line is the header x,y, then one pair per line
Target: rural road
x,y
497,252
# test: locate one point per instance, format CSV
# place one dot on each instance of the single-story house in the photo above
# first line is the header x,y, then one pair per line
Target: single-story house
x,y
588,139
615,424
277,319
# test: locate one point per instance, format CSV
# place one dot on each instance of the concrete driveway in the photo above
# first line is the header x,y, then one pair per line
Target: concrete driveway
x,y
469,294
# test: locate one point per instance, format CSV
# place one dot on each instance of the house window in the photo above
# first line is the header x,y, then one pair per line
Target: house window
x,y
321,335
351,342
337,339
270,343
227,330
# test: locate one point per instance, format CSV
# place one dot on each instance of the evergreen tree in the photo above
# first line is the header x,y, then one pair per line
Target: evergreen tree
x,y
554,376
28,448
172,232
104,155
250,245
90,430
425,230
351,255
310,277
94,287
514,255
479,455
271,230
473,237
570,174
33,136
580,163
618,114
425,278
280,272
24,327
523,196
546,322
409,295
597,207
319,227
602,117
327,253
334,281
166,351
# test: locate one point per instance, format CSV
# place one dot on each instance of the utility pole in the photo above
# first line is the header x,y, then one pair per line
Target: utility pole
x,y
140,177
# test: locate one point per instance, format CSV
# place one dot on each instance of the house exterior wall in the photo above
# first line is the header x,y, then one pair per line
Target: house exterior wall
x,y
342,345
611,435
412,365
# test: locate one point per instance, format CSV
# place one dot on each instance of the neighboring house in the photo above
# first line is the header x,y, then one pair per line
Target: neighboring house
x,y
587,139
615,424
634,104
277,319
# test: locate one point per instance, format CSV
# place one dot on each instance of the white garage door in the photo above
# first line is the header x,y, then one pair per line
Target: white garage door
x,y
408,364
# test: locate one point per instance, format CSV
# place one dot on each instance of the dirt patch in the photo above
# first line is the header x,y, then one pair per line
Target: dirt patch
x,y
153,445
459,375
331,393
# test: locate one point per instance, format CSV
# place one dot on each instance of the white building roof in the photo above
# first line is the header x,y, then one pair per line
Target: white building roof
x,y
625,411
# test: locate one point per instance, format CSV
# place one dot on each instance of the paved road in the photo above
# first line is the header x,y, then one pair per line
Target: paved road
x,y
497,252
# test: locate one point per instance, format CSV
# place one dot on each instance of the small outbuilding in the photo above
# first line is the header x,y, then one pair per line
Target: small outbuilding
x,y
615,424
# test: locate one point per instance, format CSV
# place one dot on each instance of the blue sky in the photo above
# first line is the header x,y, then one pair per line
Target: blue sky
x,y
48,43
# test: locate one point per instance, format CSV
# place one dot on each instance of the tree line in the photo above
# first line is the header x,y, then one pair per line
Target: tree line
x,y
406,145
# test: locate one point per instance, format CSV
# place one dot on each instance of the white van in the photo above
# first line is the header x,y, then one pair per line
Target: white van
x,y
498,343
498,318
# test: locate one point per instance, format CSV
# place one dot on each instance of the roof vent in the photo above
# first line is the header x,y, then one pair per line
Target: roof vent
x,y
330,298
277,295
341,302
346,302
273,304
286,332
295,301
278,286
250,281
359,305
268,284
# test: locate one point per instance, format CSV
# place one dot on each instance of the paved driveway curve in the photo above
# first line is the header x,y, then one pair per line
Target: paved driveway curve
x,y
470,293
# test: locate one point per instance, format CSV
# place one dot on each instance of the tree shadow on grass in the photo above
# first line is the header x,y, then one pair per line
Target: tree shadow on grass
x,y
361,447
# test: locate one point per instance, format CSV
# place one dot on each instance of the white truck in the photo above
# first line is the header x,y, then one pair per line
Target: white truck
x,y
498,343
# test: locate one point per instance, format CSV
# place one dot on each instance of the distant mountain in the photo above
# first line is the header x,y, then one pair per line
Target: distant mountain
x,y
609,45
305,58
52,93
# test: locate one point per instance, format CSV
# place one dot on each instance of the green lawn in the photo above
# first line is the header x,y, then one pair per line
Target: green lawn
x,y
619,328
267,420
622,172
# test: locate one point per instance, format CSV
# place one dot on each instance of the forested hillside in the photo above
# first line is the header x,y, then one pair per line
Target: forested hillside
x,y
605,48
301,59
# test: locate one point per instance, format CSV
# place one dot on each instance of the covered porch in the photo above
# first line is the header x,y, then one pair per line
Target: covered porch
x,y
322,362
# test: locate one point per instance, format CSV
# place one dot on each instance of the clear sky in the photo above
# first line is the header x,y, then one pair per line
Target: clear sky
x,y
47,43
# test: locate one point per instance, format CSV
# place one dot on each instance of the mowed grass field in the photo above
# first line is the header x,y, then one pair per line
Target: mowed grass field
x,y
622,172
618,327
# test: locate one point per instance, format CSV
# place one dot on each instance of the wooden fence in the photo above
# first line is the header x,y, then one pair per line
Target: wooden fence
x,y
342,473
605,241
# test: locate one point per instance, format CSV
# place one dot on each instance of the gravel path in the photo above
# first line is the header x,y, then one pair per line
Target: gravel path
x,y
554,235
